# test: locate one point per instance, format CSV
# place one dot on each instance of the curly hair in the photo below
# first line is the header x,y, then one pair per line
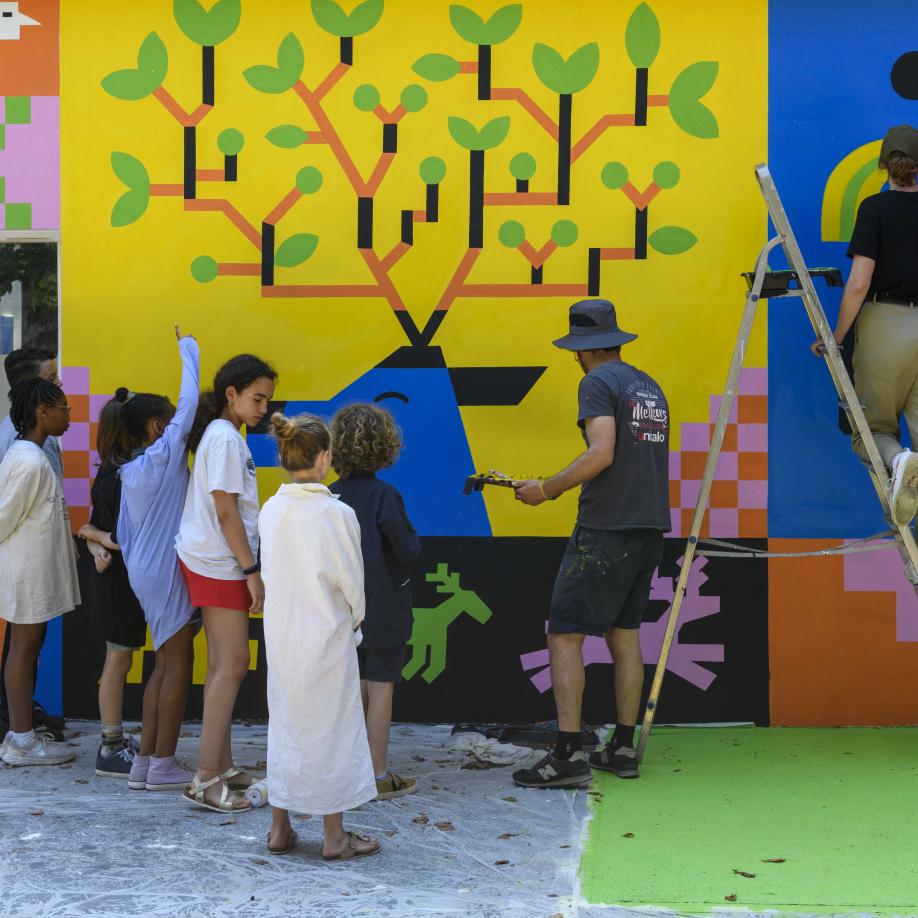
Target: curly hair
x,y
300,439
365,438
240,372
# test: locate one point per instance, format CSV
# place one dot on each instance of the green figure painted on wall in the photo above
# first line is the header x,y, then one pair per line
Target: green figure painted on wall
x,y
431,625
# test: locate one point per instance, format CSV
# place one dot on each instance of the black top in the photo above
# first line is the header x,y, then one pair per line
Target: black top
x,y
389,544
116,614
886,230
633,492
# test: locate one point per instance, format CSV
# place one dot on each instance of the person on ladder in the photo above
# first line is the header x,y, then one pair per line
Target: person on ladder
x,y
607,570
882,295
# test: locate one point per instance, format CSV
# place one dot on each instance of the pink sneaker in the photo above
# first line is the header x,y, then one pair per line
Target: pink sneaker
x,y
167,774
137,779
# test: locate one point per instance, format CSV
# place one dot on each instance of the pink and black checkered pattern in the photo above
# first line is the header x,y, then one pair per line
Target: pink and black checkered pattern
x,y
738,506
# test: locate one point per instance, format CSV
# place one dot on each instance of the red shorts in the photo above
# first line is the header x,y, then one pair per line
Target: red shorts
x,y
216,594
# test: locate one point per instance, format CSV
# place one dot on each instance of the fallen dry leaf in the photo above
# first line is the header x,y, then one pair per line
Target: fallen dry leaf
x,y
564,846
228,822
422,819
774,860
419,758
628,835
500,863
504,835
476,764
510,799
81,781
731,898
390,833
444,826
260,861
37,813
743,873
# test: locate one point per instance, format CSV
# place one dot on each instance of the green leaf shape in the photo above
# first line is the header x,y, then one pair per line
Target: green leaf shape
x,y
289,69
512,234
366,97
146,78
230,142
467,135
523,166
204,269
131,171
287,136
666,174
308,180
413,98
436,67
564,233
133,203
330,17
672,240
614,175
689,114
642,36
503,23
295,250
468,24
566,77
433,170
207,27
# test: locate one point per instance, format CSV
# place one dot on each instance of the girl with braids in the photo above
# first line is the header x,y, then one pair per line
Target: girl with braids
x,y
115,612
217,546
153,487
318,755
37,560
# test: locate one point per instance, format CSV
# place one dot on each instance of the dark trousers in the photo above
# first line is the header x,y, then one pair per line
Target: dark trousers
x,y
4,708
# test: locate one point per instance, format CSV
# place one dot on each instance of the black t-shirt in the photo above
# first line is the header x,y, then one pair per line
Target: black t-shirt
x,y
886,230
633,492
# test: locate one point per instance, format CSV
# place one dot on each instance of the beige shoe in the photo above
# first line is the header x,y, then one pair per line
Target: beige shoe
x,y
394,786
40,750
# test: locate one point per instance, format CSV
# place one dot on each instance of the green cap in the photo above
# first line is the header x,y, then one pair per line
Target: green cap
x,y
903,138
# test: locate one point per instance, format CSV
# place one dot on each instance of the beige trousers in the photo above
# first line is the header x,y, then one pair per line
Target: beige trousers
x,y
886,375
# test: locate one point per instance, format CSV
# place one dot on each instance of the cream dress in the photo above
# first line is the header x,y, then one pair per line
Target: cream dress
x,y
318,754
37,558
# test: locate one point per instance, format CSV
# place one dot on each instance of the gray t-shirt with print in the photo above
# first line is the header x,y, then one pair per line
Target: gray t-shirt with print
x,y
633,492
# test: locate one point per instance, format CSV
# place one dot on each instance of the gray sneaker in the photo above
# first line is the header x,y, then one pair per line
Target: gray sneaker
x,y
40,750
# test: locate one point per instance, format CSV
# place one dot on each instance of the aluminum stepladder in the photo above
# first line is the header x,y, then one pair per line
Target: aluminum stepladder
x,y
903,535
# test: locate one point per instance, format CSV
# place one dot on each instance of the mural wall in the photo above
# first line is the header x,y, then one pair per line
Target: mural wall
x,y
396,202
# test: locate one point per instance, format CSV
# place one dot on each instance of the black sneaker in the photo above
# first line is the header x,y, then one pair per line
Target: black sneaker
x,y
622,761
48,723
555,772
118,762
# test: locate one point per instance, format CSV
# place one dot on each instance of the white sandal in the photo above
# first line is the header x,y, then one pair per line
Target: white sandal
x,y
234,772
195,794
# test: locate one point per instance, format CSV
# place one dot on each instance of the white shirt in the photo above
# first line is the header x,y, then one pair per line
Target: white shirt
x,y
52,447
222,463
37,558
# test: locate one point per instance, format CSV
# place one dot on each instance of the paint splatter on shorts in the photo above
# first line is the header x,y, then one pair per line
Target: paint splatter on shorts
x,y
605,580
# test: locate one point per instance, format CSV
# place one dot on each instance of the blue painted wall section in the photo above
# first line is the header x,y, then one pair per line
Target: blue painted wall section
x,y
829,93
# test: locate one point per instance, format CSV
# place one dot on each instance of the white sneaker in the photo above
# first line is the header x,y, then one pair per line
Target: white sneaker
x,y
904,497
40,750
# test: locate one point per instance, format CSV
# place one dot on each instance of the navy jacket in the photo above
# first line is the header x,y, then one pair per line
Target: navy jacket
x,y
389,545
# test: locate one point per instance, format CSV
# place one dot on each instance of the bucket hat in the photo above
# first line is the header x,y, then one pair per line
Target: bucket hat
x,y
593,325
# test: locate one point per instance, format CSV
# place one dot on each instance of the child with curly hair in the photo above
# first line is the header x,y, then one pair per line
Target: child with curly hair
x,y
365,439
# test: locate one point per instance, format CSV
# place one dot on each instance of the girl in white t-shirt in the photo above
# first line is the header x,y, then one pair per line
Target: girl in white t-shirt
x,y
217,546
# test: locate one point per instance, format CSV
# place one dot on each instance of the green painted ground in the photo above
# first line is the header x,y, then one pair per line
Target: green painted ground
x,y
840,806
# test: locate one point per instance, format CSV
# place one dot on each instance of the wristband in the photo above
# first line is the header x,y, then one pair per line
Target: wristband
x,y
254,569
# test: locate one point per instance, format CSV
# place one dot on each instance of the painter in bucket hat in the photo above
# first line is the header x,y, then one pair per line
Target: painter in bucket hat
x,y
593,326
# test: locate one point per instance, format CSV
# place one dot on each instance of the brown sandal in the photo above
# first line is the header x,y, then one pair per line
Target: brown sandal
x,y
350,849
291,842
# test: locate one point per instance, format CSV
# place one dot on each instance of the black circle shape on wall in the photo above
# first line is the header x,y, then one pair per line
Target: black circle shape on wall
x,y
904,75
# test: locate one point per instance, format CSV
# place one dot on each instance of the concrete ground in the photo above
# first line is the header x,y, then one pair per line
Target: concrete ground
x,y
468,843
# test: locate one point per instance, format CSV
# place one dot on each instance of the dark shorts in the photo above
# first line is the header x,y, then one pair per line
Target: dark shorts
x,y
381,664
604,581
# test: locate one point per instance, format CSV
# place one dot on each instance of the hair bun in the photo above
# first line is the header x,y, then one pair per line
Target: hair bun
x,y
122,394
284,427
